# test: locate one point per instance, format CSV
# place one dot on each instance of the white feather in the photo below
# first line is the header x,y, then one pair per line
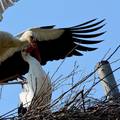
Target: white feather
x,y
44,34
9,45
39,83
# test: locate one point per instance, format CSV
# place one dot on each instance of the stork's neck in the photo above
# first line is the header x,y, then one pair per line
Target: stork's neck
x,y
34,51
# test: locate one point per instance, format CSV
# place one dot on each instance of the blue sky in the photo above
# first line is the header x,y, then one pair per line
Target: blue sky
x,y
63,13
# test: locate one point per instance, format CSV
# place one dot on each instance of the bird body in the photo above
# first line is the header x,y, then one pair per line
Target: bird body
x,y
38,83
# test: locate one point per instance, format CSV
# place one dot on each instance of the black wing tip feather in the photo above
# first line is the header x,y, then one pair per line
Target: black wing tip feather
x,y
47,27
85,31
84,48
92,49
87,35
85,23
82,41
88,23
88,30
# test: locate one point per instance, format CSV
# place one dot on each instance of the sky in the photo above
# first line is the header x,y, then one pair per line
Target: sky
x,y
63,13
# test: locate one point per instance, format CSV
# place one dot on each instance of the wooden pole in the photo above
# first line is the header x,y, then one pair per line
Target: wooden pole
x,y
107,79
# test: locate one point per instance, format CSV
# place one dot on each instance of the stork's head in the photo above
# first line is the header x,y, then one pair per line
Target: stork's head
x,y
30,37
32,47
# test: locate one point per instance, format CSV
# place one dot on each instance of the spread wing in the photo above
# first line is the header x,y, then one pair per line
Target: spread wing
x,y
12,64
57,44
13,67
53,44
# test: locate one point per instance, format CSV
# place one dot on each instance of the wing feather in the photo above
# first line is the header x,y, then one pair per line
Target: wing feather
x,y
13,67
59,43
85,23
9,45
87,30
87,35
79,27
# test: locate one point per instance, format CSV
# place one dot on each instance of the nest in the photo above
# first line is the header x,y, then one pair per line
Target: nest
x,y
102,110
73,104
76,105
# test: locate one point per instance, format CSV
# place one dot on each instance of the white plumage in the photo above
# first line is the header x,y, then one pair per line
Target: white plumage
x,y
38,83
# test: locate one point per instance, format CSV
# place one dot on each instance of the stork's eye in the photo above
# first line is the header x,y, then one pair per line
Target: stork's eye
x,y
31,37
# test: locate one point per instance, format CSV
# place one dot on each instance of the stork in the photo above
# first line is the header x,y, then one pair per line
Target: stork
x,y
27,51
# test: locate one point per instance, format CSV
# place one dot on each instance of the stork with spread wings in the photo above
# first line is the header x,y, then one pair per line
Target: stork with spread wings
x,y
45,44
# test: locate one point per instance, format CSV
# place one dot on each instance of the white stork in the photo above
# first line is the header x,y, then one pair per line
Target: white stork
x,y
4,4
27,51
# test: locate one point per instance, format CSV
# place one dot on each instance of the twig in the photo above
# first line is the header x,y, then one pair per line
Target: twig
x,y
106,53
83,99
63,61
113,52
115,61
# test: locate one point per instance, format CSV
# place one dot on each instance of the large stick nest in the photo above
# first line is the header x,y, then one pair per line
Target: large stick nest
x,y
75,103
